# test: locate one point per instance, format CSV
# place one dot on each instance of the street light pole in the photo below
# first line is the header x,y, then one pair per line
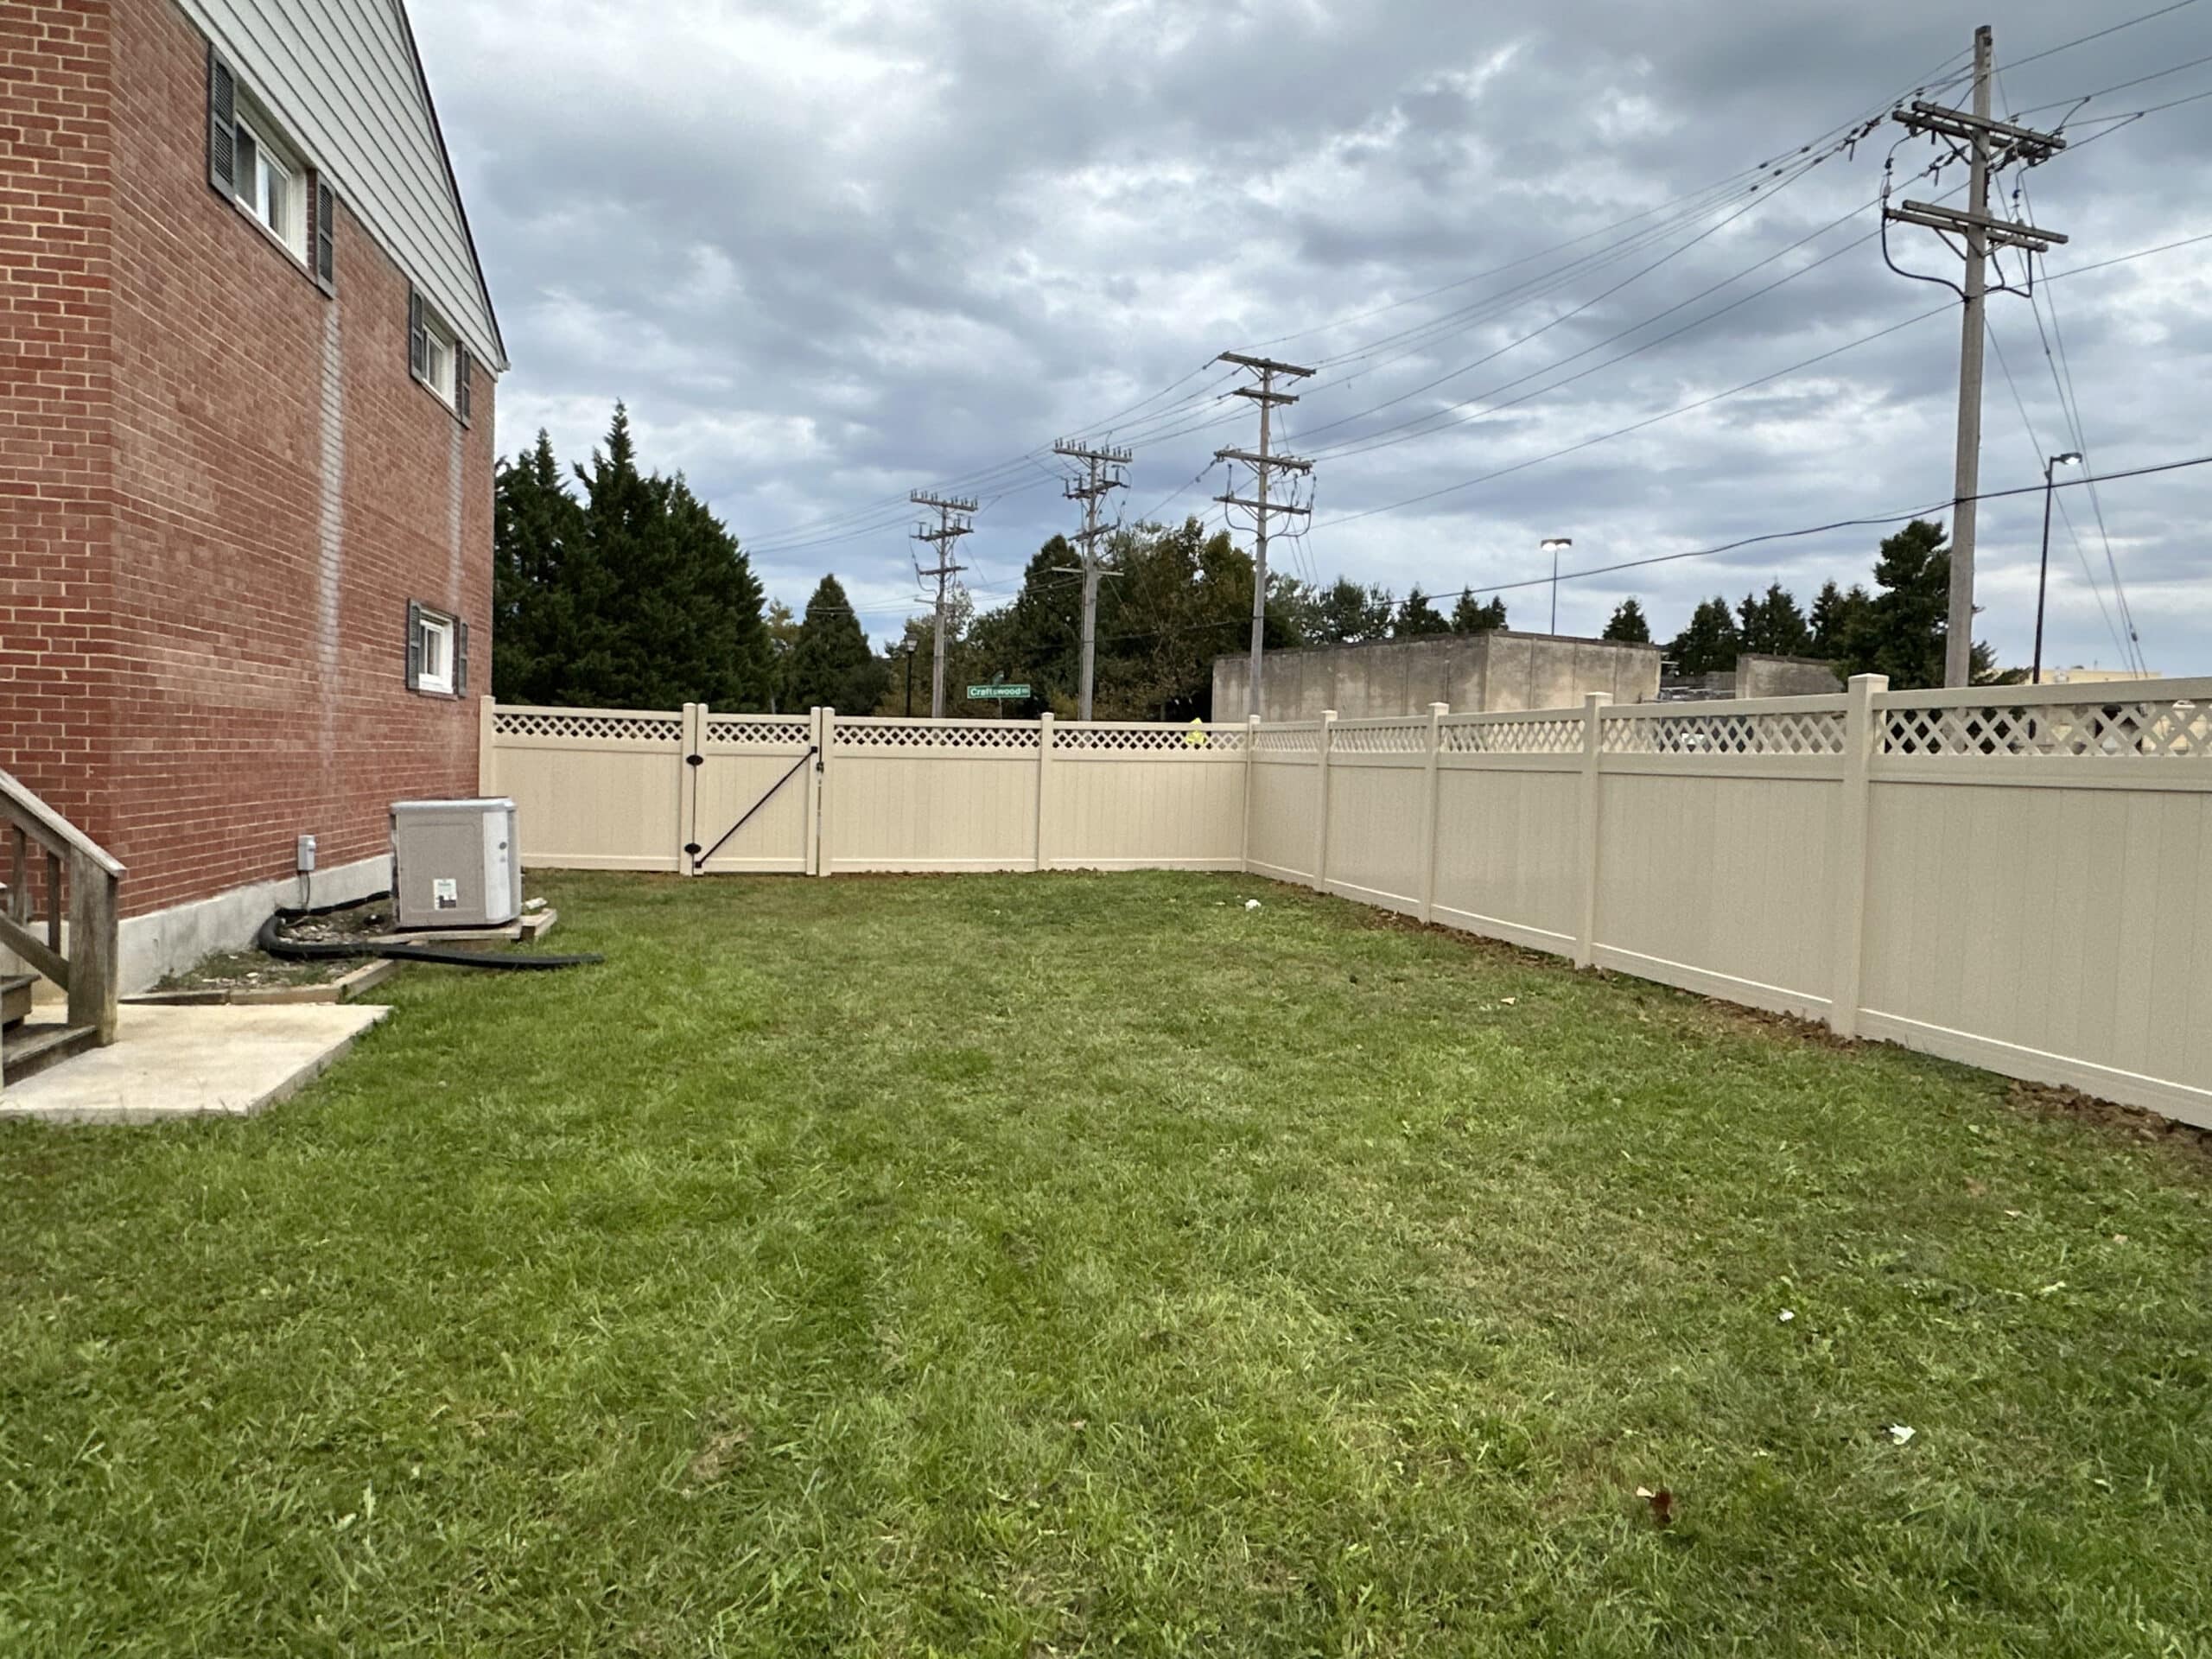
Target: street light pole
x,y
1552,545
2043,569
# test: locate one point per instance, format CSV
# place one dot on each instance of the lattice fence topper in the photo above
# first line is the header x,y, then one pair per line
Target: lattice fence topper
x,y
1164,740
1819,732
2092,730
1380,740
963,739
1275,741
784,732
1513,737
603,727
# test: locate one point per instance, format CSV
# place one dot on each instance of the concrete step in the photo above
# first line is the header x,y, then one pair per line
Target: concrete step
x,y
14,999
29,1050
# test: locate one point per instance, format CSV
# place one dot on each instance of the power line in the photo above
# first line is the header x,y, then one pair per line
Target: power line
x,y
1872,520
2043,458
2083,40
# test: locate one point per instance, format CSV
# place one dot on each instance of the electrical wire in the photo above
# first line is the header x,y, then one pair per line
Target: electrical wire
x,y
2043,459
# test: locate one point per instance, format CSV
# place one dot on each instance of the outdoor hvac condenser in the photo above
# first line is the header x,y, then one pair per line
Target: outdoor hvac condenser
x,y
454,864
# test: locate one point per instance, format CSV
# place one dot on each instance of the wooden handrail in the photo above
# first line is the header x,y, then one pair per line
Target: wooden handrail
x,y
89,970
49,828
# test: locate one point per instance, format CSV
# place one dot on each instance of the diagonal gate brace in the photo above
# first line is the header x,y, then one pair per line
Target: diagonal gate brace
x,y
699,858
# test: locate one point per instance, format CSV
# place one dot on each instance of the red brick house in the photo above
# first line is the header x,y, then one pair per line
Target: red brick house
x,y
245,447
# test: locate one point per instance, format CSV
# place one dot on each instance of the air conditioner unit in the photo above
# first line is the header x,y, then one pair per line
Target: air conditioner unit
x,y
454,864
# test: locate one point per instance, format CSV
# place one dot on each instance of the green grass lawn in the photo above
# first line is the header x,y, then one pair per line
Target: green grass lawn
x,y
1054,1264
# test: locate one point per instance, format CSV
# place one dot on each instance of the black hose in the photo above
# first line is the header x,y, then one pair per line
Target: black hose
x,y
272,939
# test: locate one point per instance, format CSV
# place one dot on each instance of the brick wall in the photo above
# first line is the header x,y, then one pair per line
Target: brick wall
x,y
277,489
56,527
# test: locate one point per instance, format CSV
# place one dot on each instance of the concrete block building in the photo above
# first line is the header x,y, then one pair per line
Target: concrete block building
x,y
246,446
1495,672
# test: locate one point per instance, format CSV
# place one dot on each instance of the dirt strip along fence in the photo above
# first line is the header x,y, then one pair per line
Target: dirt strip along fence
x,y
2017,878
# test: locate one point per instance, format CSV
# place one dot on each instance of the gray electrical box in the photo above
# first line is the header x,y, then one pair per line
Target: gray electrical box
x,y
454,864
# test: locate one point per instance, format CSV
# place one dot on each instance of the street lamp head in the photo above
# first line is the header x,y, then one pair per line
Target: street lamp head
x,y
2071,456
1551,542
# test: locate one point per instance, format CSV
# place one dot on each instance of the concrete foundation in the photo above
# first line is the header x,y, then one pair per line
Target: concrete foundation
x,y
1476,673
169,941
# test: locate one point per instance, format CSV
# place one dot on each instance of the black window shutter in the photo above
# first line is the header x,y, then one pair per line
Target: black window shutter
x,y
222,125
323,235
460,659
414,646
418,343
461,365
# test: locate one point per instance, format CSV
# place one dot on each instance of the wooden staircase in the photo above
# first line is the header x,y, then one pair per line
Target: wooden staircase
x,y
70,875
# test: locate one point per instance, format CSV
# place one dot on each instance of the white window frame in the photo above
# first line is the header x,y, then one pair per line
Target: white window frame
x,y
440,357
275,162
441,631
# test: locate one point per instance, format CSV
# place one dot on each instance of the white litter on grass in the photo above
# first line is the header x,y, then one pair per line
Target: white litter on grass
x,y
1251,904
1899,1433
1787,1314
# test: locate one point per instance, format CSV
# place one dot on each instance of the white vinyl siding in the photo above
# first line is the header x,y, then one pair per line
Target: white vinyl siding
x,y
340,78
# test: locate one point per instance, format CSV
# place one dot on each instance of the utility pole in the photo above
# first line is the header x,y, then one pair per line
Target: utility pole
x,y
952,515
1102,465
1264,465
1986,145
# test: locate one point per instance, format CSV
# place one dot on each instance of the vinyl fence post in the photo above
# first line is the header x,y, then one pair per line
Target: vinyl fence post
x,y
1044,783
488,745
818,843
1251,747
1428,833
1327,739
1862,741
692,742
1593,730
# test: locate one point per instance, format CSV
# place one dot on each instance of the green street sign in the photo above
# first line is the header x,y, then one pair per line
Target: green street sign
x,y
997,693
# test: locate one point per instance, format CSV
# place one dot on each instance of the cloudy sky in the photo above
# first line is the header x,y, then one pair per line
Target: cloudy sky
x,y
829,251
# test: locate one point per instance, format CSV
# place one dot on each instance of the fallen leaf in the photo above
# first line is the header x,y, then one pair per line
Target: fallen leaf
x,y
1662,1502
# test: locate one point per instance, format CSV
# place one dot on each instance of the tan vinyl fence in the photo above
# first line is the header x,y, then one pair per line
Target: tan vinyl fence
x,y
2020,879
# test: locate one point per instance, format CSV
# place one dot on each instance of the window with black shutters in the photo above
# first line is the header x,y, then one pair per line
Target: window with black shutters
x,y
437,652
435,356
254,164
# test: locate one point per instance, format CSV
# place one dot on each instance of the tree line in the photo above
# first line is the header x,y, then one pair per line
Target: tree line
x,y
615,586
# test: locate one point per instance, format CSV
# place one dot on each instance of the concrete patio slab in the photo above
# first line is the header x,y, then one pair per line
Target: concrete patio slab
x,y
192,1062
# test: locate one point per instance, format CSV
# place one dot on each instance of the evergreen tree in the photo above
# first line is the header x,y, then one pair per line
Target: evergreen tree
x,y
1418,618
636,597
1900,631
536,542
1835,613
1772,624
831,666
1471,615
1629,623
1710,644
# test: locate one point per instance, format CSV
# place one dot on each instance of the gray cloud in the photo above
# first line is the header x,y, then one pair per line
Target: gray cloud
x,y
827,252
